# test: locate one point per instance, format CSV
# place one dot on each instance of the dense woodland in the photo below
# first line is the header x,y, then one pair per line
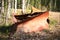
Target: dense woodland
x,y
7,6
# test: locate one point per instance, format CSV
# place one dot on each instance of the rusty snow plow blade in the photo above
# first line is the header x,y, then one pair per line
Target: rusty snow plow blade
x,y
35,24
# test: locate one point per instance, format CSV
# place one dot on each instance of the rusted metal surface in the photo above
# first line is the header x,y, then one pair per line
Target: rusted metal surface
x,y
34,23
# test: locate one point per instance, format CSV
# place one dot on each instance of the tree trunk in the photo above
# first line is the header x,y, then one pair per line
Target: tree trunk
x,y
8,12
2,6
15,6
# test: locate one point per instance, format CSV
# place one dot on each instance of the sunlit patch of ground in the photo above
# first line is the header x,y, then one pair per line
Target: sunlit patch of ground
x,y
54,16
